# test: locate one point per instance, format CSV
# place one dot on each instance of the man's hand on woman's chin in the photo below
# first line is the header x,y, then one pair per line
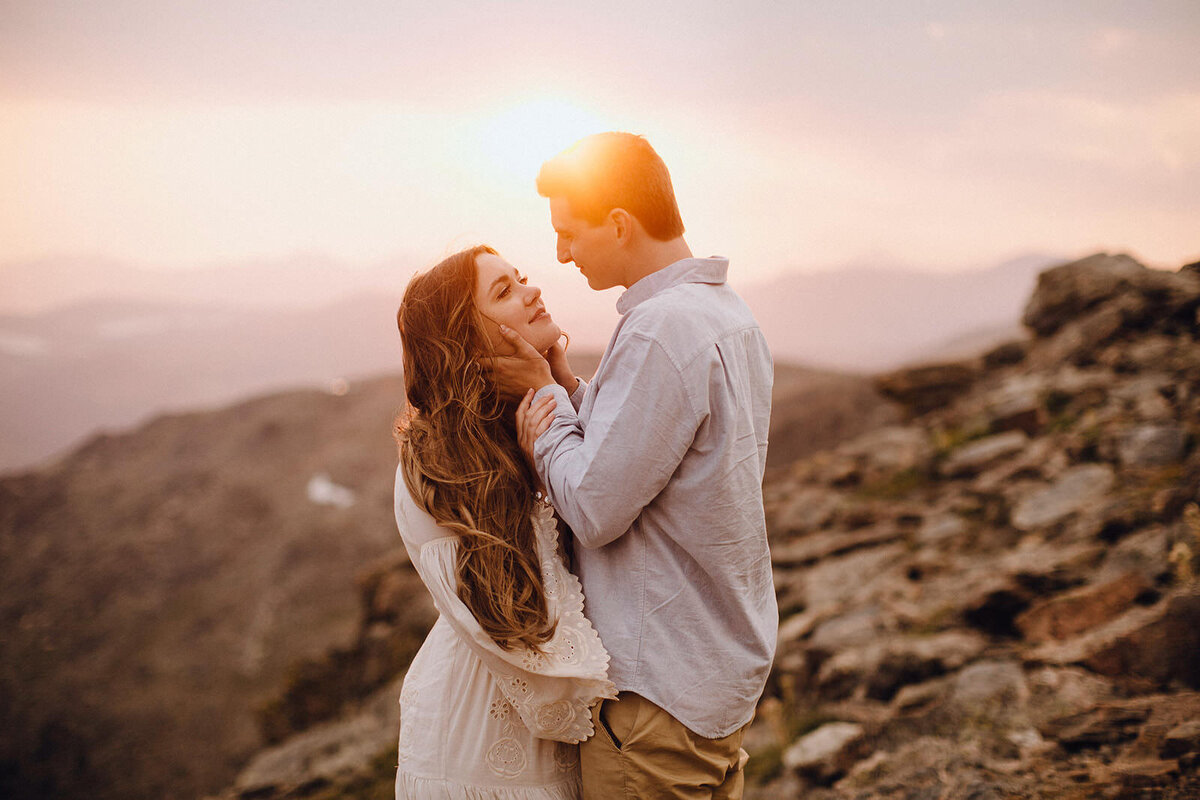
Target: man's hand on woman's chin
x,y
526,369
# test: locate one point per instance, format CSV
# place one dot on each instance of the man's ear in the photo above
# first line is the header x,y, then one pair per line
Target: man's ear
x,y
622,222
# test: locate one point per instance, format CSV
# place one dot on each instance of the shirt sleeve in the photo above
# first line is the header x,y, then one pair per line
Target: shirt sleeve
x,y
641,424
551,689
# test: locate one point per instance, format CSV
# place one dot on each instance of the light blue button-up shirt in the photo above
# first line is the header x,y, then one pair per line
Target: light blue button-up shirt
x,y
657,466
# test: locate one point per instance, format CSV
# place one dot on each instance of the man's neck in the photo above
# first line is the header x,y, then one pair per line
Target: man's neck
x,y
656,255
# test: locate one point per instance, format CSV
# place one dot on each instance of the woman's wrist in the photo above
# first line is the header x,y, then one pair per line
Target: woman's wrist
x,y
567,380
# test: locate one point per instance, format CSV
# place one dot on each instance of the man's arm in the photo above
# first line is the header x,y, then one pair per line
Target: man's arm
x,y
641,425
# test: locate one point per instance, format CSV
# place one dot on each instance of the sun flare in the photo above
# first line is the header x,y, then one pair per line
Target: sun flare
x,y
515,140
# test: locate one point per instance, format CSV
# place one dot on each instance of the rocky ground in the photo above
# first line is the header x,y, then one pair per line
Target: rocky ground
x,y
994,598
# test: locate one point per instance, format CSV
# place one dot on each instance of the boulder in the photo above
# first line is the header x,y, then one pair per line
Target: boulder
x,y
1087,607
1157,644
941,527
847,630
1006,354
929,768
922,389
1182,740
1108,723
809,549
332,750
974,456
913,659
827,752
1043,456
1151,445
1145,551
851,578
1060,692
808,508
1066,292
1144,774
992,689
890,449
1074,490
1016,412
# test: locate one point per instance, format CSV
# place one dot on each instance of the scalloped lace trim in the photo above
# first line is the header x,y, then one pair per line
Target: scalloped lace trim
x,y
418,787
574,652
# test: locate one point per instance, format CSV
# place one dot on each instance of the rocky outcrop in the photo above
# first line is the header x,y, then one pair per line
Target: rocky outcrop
x,y
998,598
396,615
333,729
1117,285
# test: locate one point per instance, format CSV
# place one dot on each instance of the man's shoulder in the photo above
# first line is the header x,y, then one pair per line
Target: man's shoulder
x,y
690,307
688,318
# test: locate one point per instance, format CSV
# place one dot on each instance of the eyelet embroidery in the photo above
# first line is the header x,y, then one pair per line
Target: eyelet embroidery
x,y
499,709
535,660
408,695
554,717
506,758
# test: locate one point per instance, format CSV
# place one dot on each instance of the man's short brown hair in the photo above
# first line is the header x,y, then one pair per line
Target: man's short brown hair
x,y
614,170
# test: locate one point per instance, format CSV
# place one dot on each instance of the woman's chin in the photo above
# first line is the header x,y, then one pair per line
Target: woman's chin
x,y
546,339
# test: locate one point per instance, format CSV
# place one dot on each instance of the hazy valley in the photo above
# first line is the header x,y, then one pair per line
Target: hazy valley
x,y
73,361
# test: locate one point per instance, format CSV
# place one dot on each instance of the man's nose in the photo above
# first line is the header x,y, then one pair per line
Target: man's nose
x,y
564,255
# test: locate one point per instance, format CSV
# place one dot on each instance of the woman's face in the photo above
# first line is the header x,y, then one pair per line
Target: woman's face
x,y
502,295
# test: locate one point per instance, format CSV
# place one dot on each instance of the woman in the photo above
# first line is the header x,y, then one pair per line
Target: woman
x,y
498,696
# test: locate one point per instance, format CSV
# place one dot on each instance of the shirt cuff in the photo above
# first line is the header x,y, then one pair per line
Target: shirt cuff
x,y
560,394
577,395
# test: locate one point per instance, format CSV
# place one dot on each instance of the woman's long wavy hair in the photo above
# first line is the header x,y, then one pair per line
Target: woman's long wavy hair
x,y
460,457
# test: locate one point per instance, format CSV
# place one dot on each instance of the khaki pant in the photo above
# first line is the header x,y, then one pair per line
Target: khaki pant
x,y
640,752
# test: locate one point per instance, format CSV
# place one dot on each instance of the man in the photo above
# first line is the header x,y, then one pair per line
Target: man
x,y
657,467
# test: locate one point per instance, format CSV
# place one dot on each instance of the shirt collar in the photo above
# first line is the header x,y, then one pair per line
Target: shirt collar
x,y
688,270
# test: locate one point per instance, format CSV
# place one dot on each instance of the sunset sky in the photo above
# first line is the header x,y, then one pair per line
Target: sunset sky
x,y
801,136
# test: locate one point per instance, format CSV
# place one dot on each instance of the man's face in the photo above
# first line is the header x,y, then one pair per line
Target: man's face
x,y
593,248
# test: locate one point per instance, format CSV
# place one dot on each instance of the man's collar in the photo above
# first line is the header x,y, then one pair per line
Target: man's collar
x,y
687,270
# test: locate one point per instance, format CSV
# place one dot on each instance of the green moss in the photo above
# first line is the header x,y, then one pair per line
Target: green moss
x,y
947,440
764,765
767,764
896,486
1061,423
940,620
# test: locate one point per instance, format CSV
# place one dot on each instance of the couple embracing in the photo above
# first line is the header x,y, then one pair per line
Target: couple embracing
x,y
596,550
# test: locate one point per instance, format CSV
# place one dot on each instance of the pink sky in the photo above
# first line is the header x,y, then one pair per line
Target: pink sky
x,y
200,133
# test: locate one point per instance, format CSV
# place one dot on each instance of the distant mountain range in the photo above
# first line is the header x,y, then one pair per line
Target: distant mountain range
x,y
869,319
84,363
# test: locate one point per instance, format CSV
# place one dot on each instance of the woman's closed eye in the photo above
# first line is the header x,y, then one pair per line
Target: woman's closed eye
x,y
521,279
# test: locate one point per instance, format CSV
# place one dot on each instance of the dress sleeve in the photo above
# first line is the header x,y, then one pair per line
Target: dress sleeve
x,y
553,689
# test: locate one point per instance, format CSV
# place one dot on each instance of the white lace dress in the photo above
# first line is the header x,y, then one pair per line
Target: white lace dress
x,y
479,722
